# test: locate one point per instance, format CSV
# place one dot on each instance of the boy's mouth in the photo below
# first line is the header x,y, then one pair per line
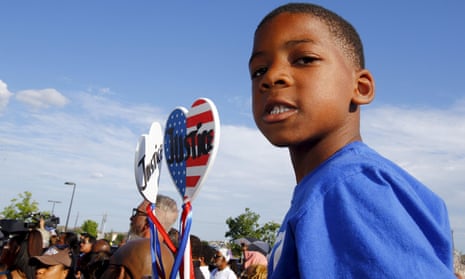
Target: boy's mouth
x,y
277,109
278,112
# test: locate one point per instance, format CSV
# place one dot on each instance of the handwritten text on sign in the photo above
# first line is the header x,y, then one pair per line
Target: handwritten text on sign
x,y
147,162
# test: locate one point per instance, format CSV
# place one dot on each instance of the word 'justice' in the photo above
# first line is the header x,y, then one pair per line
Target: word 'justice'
x,y
193,145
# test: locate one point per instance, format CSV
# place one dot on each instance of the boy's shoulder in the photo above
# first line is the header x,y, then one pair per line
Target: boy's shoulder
x,y
353,158
358,160
356,165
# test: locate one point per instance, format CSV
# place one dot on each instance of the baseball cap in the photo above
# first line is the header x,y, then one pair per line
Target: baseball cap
x,y
53,256
226,253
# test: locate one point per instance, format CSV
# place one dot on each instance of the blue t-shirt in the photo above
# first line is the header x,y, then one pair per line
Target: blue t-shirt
x,y
358,215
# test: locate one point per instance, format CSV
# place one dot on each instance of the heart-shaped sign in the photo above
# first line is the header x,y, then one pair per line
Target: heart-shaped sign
x,y
147,162
190,145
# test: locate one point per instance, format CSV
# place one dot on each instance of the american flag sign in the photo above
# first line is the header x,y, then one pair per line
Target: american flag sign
x,y
190,145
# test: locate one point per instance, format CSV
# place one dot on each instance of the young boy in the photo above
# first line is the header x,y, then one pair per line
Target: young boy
x,y
353,214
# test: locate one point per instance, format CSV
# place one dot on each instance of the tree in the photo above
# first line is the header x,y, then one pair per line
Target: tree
x,y
269,231
244,225
21,208
90,227
247,225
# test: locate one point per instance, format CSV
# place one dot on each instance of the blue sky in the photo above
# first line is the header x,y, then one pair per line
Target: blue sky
x,y
81,81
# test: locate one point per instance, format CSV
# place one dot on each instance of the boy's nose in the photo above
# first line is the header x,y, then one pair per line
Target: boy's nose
x,y
275,76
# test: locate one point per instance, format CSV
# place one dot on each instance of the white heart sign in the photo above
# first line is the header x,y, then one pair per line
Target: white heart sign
x,y
147,162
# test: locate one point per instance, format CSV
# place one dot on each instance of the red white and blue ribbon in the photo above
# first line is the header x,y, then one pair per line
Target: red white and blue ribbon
x,y
183,254
155,250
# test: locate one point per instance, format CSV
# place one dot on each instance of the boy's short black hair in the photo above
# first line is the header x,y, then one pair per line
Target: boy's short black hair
x,y
344,33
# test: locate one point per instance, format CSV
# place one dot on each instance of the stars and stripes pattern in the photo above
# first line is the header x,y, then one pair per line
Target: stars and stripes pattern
x,y
188,174
201,112
176,121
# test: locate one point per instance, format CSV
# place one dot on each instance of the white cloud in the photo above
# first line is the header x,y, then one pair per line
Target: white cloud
x,y
43,98
4,95
94,144
104,90
97,175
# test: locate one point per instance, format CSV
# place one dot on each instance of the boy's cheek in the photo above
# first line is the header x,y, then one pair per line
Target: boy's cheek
x,y
255,112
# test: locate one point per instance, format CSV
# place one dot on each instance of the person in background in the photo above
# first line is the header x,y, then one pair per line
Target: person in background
x,y
3,267
100,258
53,238
8,257
134,258
55,263
255,271
222,270
86,243
199,254
44,232
70,240
17,252
252,257
166,211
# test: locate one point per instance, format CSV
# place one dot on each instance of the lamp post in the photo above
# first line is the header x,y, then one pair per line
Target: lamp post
x,y
53,206
70,203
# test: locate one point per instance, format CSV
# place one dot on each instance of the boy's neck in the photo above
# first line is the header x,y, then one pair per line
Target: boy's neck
x,y
307,157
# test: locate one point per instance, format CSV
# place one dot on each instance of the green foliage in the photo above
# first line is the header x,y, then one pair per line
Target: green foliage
x,y
244,225
90,227
268,232
119,238
21,207
247,225
115,238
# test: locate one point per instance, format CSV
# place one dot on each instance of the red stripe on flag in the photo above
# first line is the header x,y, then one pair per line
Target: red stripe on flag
x,y
199,161
191,181
203,117
198,102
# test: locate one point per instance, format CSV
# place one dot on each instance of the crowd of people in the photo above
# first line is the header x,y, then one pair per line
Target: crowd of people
x,y
37,253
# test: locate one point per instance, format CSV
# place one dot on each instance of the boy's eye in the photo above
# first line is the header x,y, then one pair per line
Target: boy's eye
x,y
259,72
305,60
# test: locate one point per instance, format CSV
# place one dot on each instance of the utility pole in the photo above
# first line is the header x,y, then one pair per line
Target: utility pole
x,y
102,225
70,203
53,206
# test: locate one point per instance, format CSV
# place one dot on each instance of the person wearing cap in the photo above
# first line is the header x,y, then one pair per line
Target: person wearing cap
x,y
53,264
221,260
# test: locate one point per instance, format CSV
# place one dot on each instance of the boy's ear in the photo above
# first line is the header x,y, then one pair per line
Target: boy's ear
x,y
364,92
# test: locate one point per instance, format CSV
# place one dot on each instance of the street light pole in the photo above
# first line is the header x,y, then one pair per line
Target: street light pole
x,y
53,206
70,203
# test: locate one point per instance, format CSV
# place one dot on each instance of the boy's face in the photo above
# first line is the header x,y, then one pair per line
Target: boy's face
x,y
302,83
